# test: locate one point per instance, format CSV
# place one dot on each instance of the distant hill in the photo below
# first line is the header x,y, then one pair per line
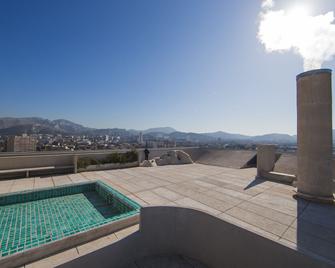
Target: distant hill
x,y
165,130
9,122
190,136
269,138
226,136
275,138
69,127
31,125
36,125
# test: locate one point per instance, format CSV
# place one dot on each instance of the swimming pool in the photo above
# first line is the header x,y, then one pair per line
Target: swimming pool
x,y
34,218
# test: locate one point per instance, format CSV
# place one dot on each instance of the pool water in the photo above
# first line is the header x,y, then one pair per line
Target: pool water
x,y
34,218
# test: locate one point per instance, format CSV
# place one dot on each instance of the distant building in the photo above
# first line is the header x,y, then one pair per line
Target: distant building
x,y
22,143
140,138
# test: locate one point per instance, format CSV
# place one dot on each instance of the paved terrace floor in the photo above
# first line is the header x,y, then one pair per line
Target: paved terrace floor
x,y
234,195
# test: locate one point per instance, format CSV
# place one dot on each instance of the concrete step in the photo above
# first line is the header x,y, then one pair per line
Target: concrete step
x,y
280,177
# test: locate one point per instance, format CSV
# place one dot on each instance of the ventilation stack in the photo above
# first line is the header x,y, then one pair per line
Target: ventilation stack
x,y
315,141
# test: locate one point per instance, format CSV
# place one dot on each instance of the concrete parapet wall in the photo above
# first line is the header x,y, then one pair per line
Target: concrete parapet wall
x,y
266,158
225,158
198,235
15,162
62,159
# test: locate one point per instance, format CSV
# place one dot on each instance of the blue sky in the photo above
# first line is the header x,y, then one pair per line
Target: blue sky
x,y
194,65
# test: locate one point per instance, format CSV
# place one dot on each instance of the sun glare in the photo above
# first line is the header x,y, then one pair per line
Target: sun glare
x,y
298,12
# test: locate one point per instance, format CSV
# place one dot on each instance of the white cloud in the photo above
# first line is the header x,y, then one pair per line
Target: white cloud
x,y
268,4
312,37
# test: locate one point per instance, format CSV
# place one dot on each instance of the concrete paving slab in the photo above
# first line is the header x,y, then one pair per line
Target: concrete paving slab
x,y
168,194
233,193
190,203
225,198
75,178
23,185
257,220
61,180
55,260
182,190
5,186
204,184
96,244
282,204
91,175
151,198
125,232
268,213
317,230
226,217
323,217
212,202
135,198
310,242
43,183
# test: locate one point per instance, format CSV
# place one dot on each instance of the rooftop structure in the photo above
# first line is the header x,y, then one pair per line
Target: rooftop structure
x,y
315,135
266,208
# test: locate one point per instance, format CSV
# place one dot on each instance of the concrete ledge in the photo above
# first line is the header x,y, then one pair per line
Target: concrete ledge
x,y
280,177
48,249
109,166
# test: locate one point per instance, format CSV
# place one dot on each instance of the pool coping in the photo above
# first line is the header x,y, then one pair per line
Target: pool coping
x,y
50,248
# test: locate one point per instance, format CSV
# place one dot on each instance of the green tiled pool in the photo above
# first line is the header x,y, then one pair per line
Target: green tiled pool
x,y
33,218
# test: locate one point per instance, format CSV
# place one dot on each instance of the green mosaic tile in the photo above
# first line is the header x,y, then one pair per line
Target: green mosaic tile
x,y
34,218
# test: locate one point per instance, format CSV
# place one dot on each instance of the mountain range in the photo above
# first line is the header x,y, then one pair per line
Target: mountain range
x,y
36,125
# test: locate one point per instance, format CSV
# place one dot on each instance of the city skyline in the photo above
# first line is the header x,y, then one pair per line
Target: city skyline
x,y
38,134
33,122
195,66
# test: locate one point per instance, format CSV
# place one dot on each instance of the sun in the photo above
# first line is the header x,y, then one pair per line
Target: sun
x,y
299,12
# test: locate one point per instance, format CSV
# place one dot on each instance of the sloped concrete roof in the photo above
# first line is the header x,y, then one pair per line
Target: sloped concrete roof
x,y
287,163
223,158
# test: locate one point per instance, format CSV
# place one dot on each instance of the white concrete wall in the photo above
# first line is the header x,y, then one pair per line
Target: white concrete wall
x,y
62,159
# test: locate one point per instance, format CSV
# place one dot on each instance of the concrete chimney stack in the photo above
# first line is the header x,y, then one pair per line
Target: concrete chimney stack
x,y
315,139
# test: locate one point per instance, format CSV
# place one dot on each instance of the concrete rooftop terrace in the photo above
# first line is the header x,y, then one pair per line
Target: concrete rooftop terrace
x,y
234,195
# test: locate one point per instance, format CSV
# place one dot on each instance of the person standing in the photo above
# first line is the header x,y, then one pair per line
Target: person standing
x,y
146,153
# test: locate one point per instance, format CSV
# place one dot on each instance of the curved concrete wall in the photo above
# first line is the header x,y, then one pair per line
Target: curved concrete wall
x,y
188,232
